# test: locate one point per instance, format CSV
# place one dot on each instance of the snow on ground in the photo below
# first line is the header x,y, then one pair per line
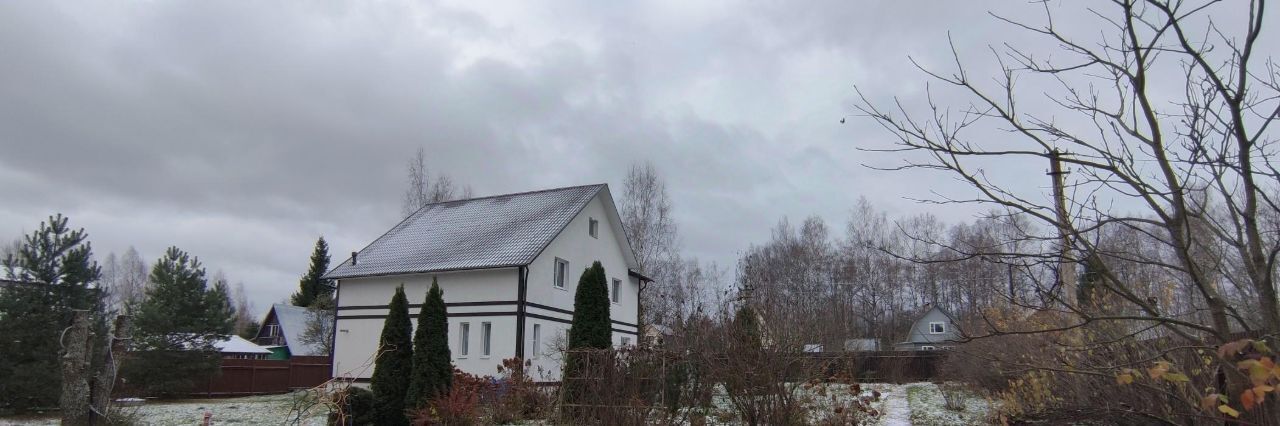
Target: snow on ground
x,y
928,407
250,410
919,404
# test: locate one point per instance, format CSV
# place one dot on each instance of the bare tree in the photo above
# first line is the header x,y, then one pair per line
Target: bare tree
x,y
423,189
245,323
1163,118
124,279
645,207
318,332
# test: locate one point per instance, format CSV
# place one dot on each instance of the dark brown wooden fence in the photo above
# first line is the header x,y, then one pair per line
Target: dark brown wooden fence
x,y
883,366
263,376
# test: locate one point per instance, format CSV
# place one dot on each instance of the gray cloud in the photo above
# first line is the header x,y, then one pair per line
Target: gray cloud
x,y
241,131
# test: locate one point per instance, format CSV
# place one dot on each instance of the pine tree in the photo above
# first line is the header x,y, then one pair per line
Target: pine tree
x,y
57,262
590,327
432,365
311,285
176,327
393,366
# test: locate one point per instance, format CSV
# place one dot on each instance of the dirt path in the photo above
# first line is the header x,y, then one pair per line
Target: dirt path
x,y
897,412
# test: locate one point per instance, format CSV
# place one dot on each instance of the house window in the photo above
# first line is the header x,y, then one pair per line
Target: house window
x,y
617,289
562,270
937,327
537,340
926,348
464,335
593,228
626,341
273,330
486,331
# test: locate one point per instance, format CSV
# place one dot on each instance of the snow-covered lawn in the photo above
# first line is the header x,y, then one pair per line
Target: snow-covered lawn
x,y
250,410
928,407
919,404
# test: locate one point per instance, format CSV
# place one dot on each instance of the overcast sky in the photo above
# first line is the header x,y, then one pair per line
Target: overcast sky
x,y
241,131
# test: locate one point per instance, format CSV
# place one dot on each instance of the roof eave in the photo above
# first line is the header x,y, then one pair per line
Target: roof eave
x,y
429,271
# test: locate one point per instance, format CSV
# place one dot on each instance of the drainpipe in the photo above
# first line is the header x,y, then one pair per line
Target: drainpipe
x,y
522,289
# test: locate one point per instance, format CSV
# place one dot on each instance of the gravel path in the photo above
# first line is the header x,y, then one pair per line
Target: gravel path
x,y
897,411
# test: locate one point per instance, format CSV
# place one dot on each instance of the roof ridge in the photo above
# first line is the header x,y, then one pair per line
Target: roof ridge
x,y
509,195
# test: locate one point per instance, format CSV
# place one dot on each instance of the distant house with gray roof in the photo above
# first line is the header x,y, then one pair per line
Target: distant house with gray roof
x,y
281,333
934,329
508,265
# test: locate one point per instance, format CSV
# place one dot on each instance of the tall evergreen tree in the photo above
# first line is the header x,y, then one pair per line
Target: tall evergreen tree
x,y
177,326
58,263
590,327
588,330
393,366
432,365
311,286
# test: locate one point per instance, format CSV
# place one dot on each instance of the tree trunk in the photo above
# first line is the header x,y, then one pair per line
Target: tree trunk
x,y
105,381
74,401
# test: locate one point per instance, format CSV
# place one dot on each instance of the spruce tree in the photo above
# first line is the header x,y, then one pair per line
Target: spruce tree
x,y
311,285
432,365
393,366
590,327
57,262
177,326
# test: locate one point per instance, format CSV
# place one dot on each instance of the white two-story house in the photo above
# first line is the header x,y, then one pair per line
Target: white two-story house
x,y
508,265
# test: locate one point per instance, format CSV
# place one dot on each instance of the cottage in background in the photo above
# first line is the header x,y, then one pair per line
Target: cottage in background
x,y
935,329
281,332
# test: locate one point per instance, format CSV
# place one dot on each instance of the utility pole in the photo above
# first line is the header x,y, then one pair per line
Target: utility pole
x,y
1066,267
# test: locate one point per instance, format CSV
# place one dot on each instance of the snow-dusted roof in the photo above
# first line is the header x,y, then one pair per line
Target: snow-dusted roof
x,y
293,322
238,345
489,232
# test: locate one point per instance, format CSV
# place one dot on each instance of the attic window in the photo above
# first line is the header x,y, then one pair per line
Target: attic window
x,y
937,327
593,228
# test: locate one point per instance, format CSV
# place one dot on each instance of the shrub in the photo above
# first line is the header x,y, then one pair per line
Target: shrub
x,y
516,396
355,408
460,406
953,395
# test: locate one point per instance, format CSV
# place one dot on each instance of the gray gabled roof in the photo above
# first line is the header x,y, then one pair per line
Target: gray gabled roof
x,y
489,232
293,323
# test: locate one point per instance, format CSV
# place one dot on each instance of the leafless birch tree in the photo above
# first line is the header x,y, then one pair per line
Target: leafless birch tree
x,y
423,189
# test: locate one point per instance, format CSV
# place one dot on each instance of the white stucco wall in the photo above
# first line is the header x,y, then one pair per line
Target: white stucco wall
x,y
357,338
